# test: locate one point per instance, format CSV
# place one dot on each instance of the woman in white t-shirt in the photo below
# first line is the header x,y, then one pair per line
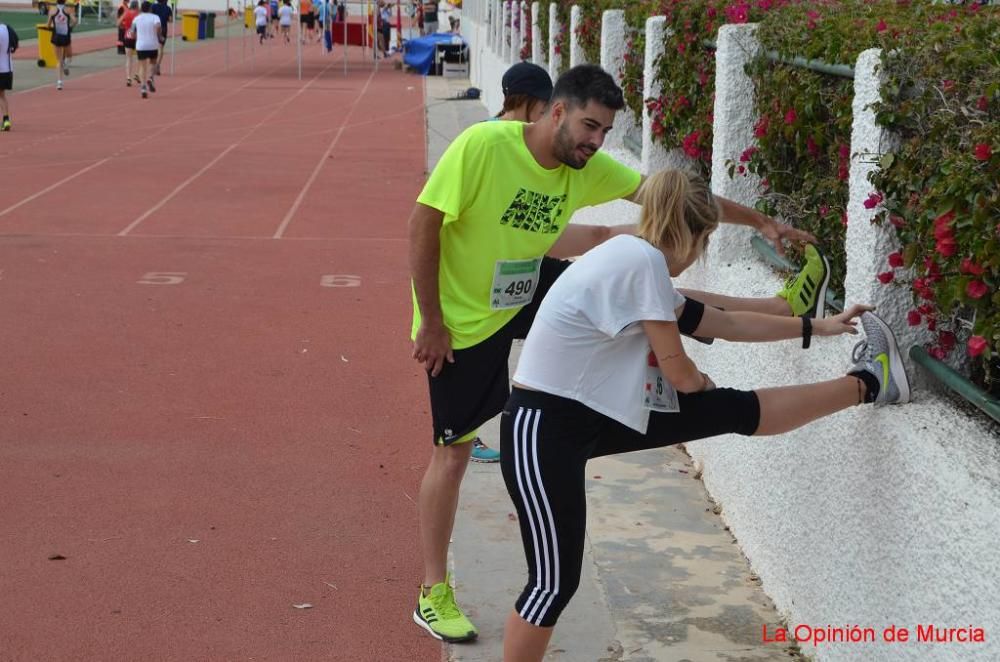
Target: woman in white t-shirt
x,y
603,371
146,27
260,18
285,13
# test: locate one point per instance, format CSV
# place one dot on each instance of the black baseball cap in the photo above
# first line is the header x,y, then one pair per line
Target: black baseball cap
x,y
527,78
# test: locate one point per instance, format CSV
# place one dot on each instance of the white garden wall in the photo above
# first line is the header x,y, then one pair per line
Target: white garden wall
x,y
872,517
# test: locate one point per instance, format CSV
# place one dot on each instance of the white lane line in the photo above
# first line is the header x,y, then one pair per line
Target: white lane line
x,y
53,186
134,224
322,160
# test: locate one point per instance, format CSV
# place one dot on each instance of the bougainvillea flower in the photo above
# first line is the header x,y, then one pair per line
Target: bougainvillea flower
x,y
873,200
790,116
944,219
885,277
913,318
947,340
982,152
881,27
946,247
976,289
971,268
895,259
938,353
976,345
983,103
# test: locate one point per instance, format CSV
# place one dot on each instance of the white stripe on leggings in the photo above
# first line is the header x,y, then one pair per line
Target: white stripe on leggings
x,y
530,484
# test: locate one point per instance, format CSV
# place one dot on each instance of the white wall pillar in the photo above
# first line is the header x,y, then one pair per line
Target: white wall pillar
x,y
516,30
732,132
576,54
612,55
498,26
868,246
536,36
555,59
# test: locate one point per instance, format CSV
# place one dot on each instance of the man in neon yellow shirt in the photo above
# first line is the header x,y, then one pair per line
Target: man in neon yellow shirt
x,y
485,236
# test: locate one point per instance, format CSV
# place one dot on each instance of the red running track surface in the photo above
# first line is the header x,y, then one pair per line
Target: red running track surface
x,y
208,403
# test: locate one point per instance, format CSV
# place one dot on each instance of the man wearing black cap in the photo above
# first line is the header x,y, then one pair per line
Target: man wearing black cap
x,y
526,92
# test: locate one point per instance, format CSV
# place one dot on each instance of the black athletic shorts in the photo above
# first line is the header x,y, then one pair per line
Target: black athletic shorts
x,y
147,55
7,80
474,388
262,30
61,39
129,43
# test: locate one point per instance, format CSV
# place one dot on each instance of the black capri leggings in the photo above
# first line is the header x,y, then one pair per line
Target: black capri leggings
x,y
545,442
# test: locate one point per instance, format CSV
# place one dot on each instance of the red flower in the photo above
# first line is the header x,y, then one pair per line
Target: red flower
x,y
977,289
873,200
948,85
983,103
747,154
913,318
971,268
690,145
842,173
742,170
897,221
881,27
938,353
982,152
976,345
896,259
711,13
944,219
843,219
947,340
844,152
946,247
790,116
885,277
931,324
812,147
824,210
760,129
943,232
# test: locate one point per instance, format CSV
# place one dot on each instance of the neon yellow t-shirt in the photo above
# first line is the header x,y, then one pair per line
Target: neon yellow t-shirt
x,y
500,204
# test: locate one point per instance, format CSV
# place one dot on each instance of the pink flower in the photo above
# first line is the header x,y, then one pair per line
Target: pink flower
x,y
897,221
824,210
881,27
760,129
747,154
948,85
977,289
938,353
742,170
896,259
944,219
971,268
943,232
946,247
982,152
873,200
976,345
844,152
983,103
711,13
885,277
812,147
790,116
764,4
842,173
690,145
843,219
913,318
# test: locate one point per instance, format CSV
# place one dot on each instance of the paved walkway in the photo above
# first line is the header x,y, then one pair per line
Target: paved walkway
x,y
664,581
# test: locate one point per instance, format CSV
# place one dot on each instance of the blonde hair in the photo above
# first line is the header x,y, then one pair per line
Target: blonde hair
x,y
679,212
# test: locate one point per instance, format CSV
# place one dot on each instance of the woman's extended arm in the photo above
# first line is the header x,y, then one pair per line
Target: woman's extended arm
x,y
757,327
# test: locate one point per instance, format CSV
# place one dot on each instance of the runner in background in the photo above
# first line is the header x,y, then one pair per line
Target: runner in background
x,y
61,22
163,11
122,8
307,19
6,74
274,6
147,45
285,14
260,20
128,41
430,17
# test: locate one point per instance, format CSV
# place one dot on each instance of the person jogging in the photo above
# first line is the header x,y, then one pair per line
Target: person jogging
x,y
285,14
7,48
483,237
147,43
128,41
260,20
603,372
61,22
163,12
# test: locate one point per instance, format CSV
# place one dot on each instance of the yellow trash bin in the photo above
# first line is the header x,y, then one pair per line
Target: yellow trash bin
x,y
189,26
249,20
46,51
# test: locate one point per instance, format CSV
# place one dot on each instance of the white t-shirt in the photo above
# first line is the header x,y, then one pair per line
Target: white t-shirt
x,y
6,61
285,15
261,14
145,26
587,342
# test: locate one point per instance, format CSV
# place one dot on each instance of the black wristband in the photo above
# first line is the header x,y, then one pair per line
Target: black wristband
x,y
807,332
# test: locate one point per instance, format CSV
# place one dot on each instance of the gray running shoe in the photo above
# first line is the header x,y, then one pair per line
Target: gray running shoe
x,y
879,355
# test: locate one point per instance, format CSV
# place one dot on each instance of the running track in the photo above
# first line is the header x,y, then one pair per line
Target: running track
x,y
207,404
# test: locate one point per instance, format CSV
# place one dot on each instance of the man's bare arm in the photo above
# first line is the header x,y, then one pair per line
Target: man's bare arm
x,y
432,346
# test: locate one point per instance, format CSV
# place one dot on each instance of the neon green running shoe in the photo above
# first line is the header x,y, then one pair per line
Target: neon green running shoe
x,y
437,613
5,126
806,292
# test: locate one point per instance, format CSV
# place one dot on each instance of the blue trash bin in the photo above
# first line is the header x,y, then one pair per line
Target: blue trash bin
x,y
202,25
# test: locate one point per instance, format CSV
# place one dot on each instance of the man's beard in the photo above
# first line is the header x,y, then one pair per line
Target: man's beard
x,y
566,150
